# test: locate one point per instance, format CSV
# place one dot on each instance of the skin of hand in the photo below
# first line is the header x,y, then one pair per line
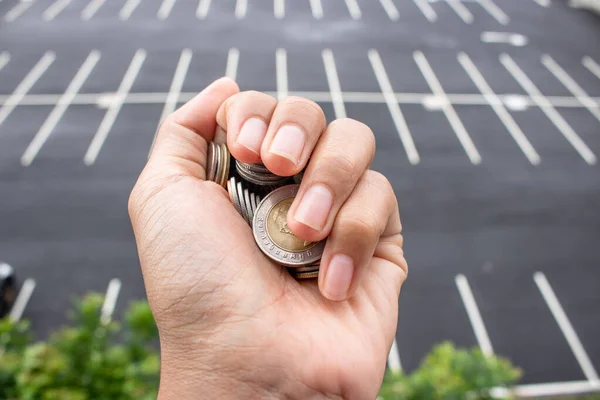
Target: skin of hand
x,y
232,323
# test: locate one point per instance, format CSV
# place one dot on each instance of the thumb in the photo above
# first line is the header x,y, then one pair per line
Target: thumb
x,y
181,139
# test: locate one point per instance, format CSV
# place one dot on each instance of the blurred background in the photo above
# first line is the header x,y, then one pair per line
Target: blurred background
x,y
486,112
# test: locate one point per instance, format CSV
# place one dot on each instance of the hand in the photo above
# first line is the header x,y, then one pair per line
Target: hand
x,y
232,323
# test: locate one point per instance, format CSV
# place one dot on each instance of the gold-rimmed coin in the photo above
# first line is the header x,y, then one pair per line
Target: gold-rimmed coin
x,y
273,235
210,162
306,275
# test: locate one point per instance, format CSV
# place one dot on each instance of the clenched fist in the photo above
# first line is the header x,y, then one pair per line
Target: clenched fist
x,y
232,323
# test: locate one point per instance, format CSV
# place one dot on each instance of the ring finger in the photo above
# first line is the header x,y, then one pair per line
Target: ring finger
x,y
340,158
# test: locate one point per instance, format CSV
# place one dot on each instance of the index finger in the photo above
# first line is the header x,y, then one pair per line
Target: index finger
x,y
182,137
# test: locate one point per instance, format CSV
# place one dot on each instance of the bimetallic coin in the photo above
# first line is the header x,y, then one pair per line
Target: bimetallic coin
x,y
310,268
307,275
223,165
230,192
273,236
227,163
218,161
211,162
278,230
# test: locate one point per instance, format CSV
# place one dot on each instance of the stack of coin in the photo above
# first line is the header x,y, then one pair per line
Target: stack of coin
x,y
245,202
277,242
259,174
218,162
268,218
309,272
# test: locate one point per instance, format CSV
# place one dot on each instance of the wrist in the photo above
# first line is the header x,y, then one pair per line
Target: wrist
x,y
192,375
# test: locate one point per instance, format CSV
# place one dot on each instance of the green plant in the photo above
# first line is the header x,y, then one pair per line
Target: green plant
x,y
448,373
90,360
99,359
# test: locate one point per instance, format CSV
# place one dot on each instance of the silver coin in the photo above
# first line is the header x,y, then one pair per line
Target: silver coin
x,y
232,185
240,193
259,174
253,202
273,235
249,208
260,167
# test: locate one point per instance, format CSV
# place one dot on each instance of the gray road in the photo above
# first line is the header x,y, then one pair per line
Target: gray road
x,y
493,189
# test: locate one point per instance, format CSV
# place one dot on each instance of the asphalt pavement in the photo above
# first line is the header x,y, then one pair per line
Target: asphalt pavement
x,y
487,118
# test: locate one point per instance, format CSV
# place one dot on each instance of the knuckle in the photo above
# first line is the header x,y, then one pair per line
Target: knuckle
x,y
357,132
304,106
339,166
255,94
250,97
379,182
359,227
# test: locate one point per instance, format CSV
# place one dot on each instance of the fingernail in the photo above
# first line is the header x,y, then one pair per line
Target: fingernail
x,y
314,208
252,134
338,277
288,143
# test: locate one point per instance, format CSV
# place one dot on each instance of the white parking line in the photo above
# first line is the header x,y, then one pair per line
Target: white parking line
x,y
591,65
543,3
90,10
461,10
455,122
4,59
334,84
565,326
392,102
316,8
427,10
394,363
498,107
61,107
16,313
354,9
495,11
55,9
548,109
477,324
17,10
165,9
233,58
114,108
282,73
514,102
176,85
391,9
241,8
570,84
279,9
545,389
203,7
128,9
26,84
110,301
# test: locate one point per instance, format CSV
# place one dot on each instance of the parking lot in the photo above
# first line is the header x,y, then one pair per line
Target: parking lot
x,y
486,113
